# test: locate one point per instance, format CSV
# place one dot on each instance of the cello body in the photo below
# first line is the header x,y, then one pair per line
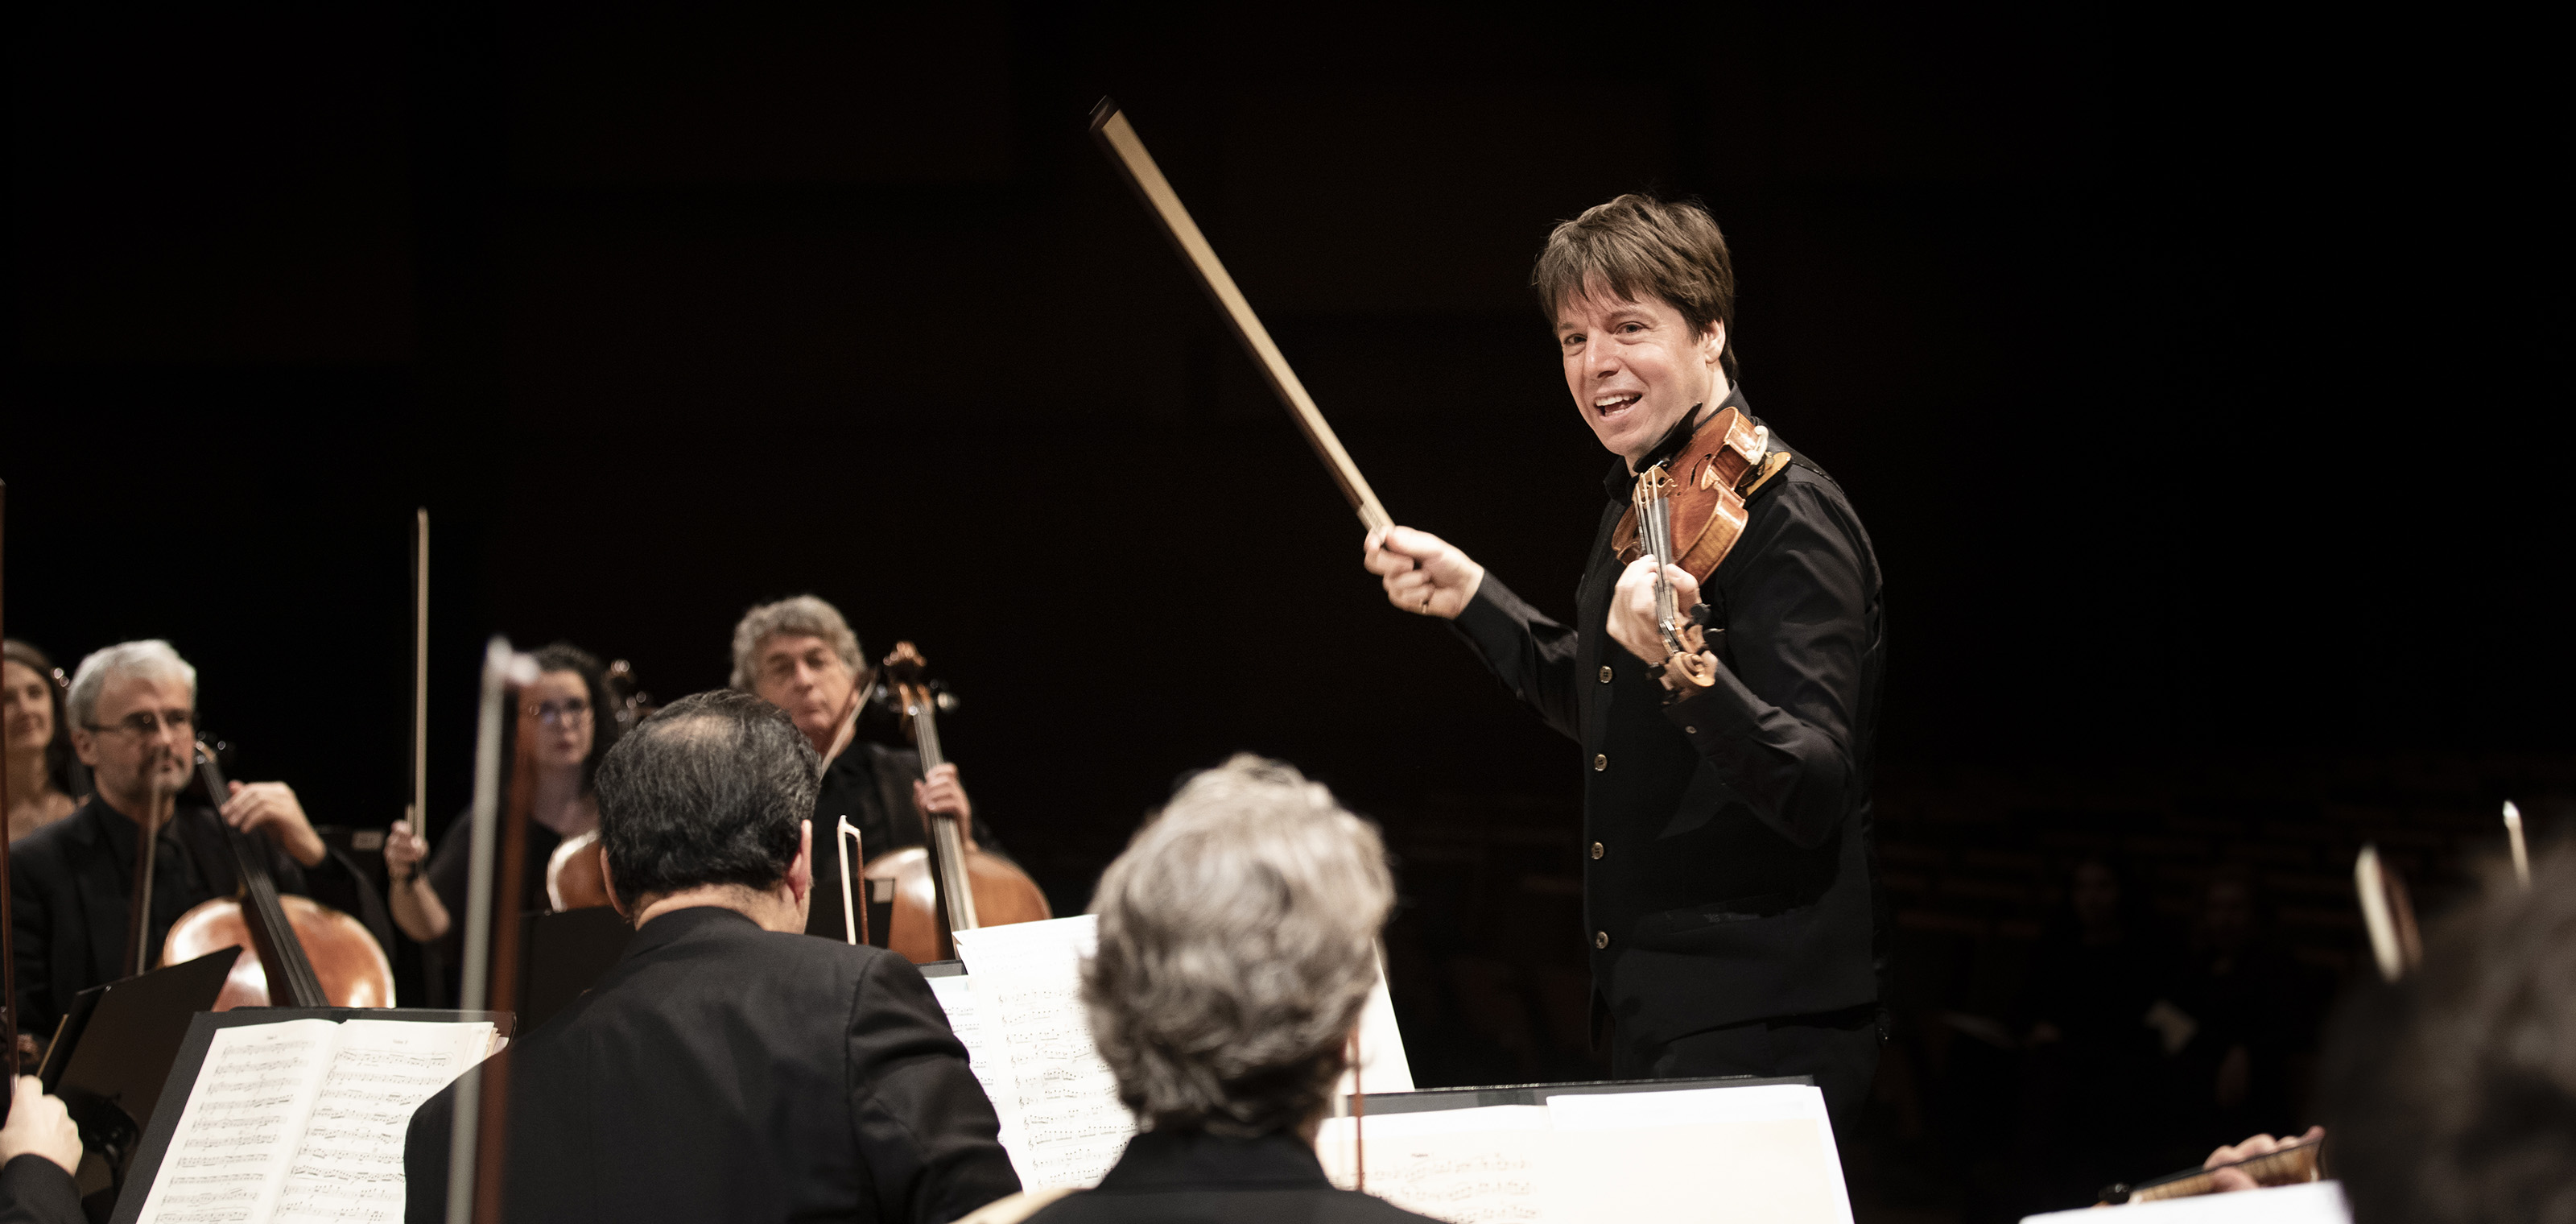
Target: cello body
x,y
1003,895
347,960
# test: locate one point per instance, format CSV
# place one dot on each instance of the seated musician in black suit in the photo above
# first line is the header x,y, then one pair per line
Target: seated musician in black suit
x,y
800,655
39,1149
132,708
1238,938
729,1067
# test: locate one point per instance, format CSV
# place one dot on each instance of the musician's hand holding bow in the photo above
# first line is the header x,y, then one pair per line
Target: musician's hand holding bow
x,y
271,808
940,791
1423,574
2260,1145
39,1126
1632,607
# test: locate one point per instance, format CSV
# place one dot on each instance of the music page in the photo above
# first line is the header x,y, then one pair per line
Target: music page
x,y
242,1122
1759,1153
1466,1166
349,1167
1027,988
991,1066
304,1120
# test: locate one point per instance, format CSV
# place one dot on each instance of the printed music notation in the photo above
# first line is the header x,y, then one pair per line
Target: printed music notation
x,y
1026,980
303,1121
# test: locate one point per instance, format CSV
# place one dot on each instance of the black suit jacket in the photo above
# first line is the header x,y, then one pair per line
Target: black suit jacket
x,y
34,1190
1727,866
725,1072
1173,1177
69,887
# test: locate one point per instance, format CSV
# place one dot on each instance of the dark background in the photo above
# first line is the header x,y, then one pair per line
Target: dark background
x,y
2188,370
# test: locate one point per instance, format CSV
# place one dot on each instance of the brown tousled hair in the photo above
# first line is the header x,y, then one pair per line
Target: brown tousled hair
x,y
1640,245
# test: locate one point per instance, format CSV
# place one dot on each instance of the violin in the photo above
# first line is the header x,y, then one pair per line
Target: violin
x,y
942,886
1691,518
302,953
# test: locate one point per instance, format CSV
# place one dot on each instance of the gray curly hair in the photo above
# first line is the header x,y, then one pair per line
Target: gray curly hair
x,y
1238,941
151,657
803,615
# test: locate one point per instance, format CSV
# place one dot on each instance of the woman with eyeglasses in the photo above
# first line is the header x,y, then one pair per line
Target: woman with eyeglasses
x,y
568,701
39,740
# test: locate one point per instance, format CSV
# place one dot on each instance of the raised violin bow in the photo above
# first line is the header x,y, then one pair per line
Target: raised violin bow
x,y
418,812
1128,154
476,1144
8,940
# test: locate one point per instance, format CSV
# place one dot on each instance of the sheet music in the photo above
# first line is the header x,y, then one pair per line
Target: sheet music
x,y
243,1120
992,1067
1027,988
1466,1166
304,1120
349,1168
1762,1153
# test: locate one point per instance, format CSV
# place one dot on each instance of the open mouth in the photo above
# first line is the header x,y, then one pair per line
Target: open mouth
x,y
1612,407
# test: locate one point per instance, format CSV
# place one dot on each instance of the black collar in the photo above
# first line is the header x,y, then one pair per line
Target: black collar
x,y
679,924
1158,1161
1620,482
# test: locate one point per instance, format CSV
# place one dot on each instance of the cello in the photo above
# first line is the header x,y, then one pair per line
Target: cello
x,y
943,885
302,953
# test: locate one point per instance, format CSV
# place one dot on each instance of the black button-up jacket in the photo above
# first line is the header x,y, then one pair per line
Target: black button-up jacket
x,y
1733,875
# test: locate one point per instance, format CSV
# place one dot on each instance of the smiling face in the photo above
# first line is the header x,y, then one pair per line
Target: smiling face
x,y
30,708
803,675
1636,367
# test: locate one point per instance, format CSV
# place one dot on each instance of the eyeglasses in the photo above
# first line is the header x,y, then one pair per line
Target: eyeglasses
x,y
561,713
143,724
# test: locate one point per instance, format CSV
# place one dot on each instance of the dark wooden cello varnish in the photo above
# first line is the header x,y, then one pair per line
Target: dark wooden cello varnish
x,y
302,953
942,886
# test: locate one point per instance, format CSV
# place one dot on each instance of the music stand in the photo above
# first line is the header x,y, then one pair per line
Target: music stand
x,y
112,1054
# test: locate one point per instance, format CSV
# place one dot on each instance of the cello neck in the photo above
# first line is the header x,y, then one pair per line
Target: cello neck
x,y
291,980
947,843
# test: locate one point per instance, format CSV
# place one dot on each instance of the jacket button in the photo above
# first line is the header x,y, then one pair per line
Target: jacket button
x,y
1600,761
1601,939
1690,730
1596,850
1605,673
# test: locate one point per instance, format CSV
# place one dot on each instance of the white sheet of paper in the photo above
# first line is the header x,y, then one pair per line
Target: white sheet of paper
x,y
1026,981
992,1067
2309,1203
349,1167
1750,1154
242,1123
1383,1067
1467,1166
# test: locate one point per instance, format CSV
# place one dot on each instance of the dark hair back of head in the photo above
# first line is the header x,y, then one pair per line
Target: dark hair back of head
x,y
1640,247
2452,1096
710,790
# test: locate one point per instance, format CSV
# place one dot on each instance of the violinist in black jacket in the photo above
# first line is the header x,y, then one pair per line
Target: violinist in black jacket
x,y
729,1067
1728,872
132,708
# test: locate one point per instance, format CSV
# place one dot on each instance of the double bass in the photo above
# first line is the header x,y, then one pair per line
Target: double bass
x,y
942,886
300,952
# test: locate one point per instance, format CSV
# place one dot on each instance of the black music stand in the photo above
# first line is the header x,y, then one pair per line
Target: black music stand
x,y
111,1054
